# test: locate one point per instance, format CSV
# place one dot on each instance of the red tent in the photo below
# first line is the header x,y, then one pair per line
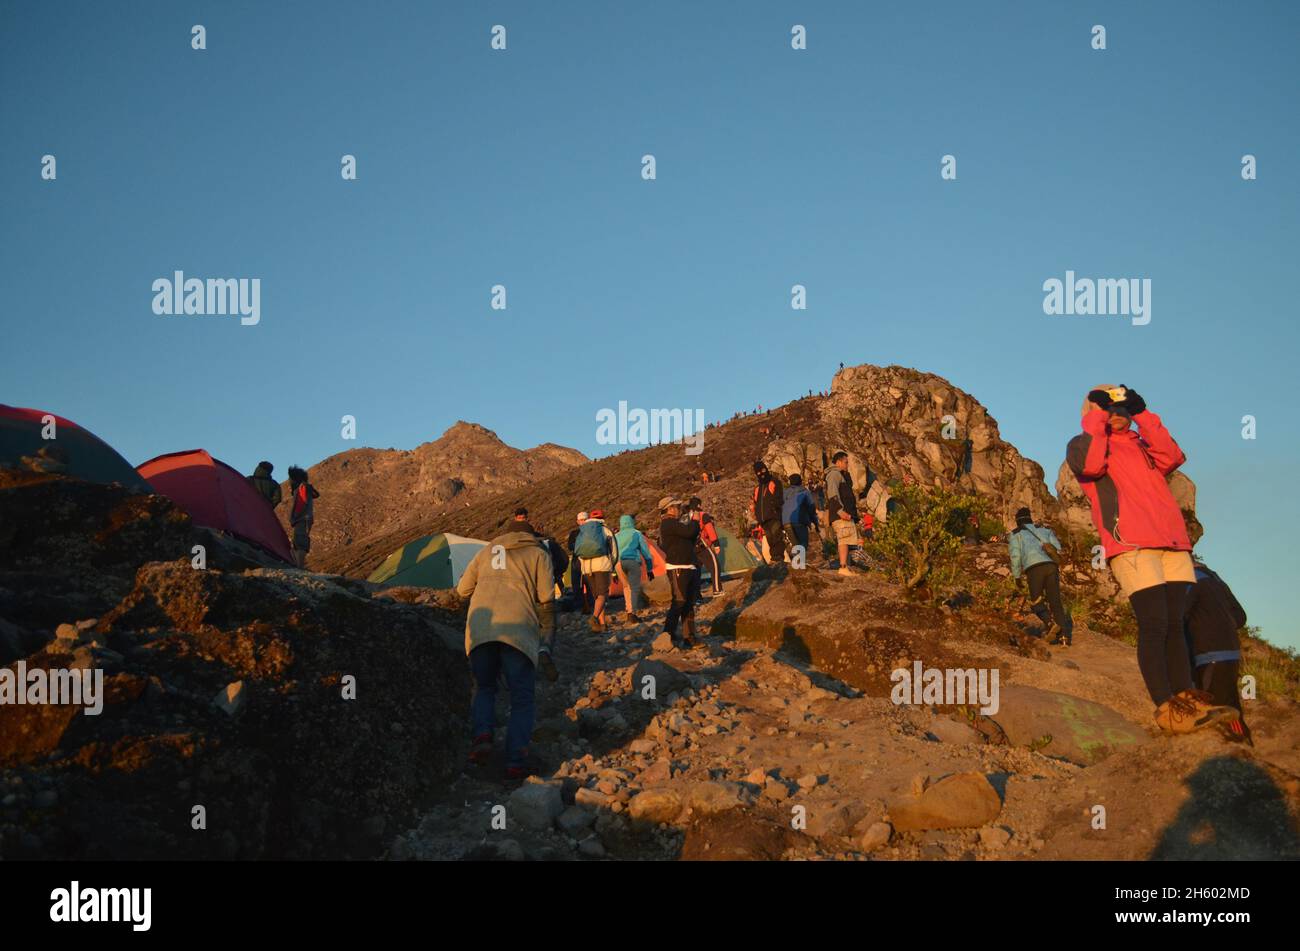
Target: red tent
x,y
72,450
217,496
661,569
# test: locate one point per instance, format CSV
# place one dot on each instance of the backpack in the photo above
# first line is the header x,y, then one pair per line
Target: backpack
x,y
591,541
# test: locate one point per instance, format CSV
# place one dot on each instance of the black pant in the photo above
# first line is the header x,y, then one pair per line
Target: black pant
x,y
685,586
1219,680
1045,596
775,533
1162,648
707,557
581,601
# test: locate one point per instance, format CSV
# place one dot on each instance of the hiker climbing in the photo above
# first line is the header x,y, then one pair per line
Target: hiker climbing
x,y
632,553
597,552
677,537
1035,553
707,545
302,513
559,561
581,598
266,486
798,513
766,503
509,631
1214,616
1149,553
842,508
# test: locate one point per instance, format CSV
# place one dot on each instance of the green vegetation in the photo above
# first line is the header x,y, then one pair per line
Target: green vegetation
x,y
920,543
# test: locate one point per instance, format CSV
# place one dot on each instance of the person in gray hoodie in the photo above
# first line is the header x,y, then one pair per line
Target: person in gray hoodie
x,y
1027,545
509,629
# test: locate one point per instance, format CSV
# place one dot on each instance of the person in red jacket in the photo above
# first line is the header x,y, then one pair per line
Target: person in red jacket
x,y
1123,473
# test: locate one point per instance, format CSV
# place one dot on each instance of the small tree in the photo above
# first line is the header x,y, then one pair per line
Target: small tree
x,y
921,540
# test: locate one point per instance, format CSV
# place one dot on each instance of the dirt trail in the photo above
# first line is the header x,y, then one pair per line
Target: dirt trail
x,y
752,753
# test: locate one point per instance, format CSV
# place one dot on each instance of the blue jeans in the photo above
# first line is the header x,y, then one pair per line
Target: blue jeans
x,y
487,662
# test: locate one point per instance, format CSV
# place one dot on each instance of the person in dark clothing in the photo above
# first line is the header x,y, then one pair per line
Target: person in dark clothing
x,y
768,497
302,513
1028,546
581,597
1213,618
842,508
708,546
798,513
265,485
677,538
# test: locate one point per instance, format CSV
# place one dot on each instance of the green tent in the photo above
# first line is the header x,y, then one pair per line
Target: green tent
x,y
734,559
434,561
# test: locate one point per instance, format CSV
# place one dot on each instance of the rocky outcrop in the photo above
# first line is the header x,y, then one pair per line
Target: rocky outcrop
x,y
912,426
367,492
228,727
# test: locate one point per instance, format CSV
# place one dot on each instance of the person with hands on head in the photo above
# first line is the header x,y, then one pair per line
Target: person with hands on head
x,y
1123,472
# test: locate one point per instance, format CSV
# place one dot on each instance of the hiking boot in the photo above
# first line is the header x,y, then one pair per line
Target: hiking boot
x,y
547,666
844,571
1175,716
595,624
1207,712
480,749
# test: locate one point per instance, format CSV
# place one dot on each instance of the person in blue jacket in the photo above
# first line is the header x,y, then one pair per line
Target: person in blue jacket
x,y
1029,557
798,512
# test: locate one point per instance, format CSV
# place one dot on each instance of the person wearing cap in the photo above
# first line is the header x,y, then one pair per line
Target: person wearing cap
x,y
553,550
1123,473
707,545
766,502
677,537
581,597
1028,545
597,551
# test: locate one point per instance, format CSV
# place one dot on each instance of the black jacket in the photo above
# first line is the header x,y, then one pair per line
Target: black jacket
x,y
769,496
677,539
1213,615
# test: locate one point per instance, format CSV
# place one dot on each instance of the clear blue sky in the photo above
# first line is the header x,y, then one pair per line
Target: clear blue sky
x,y
775,167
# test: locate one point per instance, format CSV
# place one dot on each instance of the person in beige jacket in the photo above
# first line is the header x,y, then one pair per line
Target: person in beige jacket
x,y
509,630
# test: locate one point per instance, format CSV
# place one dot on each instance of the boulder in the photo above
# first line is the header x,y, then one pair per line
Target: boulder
x,y
1064,726
535,804
657,804
666,680
959,801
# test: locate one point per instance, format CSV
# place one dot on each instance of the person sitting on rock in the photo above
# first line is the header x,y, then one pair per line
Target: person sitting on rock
x,y
509,629
1214,616
677,537
1028,545
1122,470
302,513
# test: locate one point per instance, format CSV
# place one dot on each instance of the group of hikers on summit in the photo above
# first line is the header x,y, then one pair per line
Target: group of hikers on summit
x,y
1188,647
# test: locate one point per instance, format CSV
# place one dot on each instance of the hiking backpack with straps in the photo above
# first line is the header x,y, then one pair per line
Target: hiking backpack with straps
x,y
590,542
